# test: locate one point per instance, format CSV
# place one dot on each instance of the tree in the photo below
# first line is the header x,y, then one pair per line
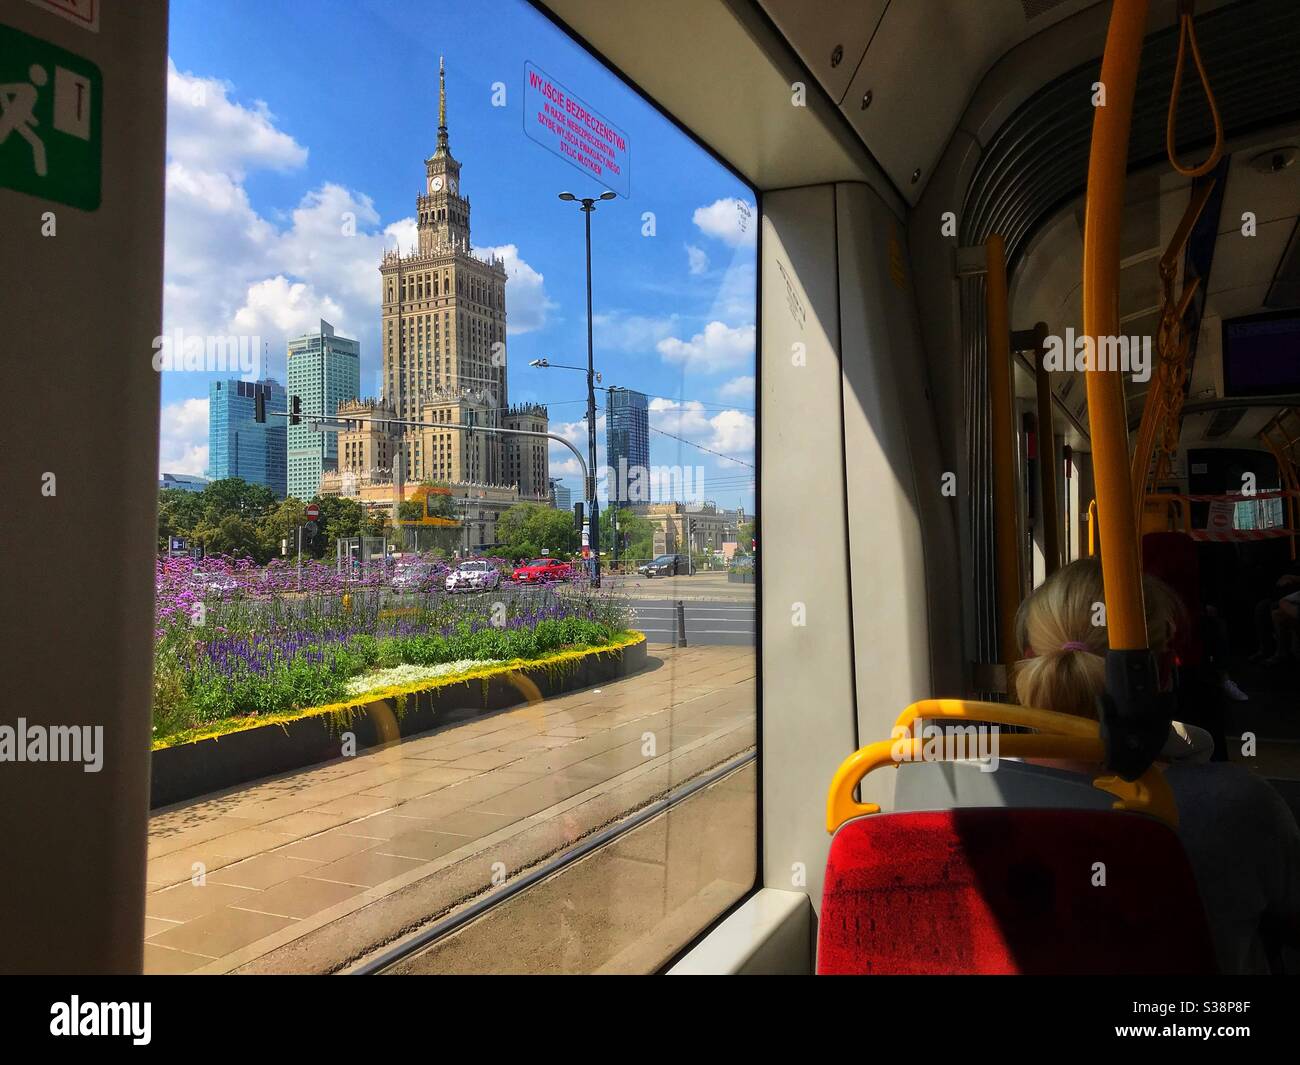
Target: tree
x,y
747,536
537,527
234,495
233,535
282,524
340,517
636,533
178,514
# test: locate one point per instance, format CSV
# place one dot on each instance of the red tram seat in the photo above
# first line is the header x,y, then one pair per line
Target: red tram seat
x,y
1006,890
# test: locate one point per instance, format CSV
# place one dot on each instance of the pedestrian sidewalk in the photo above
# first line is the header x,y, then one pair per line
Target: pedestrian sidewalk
x,y
305,871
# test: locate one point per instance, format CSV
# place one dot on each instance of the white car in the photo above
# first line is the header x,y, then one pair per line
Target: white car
x,y
473,576
214,582
411,578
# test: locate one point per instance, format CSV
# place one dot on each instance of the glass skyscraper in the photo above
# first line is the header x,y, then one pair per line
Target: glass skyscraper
x,y
240,446
627,439
324,371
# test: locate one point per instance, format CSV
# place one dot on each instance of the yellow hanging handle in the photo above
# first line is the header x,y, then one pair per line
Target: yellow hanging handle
x,y
1186,38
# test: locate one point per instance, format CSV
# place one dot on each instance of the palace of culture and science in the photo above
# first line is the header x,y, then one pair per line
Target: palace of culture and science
x,y
443,338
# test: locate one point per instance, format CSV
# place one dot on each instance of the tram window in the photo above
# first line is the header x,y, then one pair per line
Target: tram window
x,y
298,569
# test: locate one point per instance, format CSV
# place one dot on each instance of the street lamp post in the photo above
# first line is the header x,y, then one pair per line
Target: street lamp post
x,y
588,206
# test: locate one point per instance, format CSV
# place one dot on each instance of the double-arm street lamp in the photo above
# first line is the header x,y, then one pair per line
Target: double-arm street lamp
x,y
587,206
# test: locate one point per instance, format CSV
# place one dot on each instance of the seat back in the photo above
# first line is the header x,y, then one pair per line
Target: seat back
x,y
1172,557
1008,890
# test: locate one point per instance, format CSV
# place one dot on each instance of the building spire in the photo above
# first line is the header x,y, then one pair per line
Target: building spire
x,y
442,105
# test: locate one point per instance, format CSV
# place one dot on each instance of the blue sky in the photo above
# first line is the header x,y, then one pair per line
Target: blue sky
x,y
286,119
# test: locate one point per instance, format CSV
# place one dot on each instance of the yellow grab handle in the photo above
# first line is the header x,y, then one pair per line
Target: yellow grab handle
x,y
1047,721
1149,794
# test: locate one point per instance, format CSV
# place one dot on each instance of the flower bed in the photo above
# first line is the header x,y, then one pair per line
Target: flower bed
x,y
238,641
238,750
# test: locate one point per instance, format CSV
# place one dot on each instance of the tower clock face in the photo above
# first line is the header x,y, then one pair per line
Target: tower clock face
x,y
436,184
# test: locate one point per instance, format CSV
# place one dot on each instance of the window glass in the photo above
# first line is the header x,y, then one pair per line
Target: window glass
x,y
392,744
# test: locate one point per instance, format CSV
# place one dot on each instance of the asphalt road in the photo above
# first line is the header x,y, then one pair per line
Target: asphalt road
x,y
708,621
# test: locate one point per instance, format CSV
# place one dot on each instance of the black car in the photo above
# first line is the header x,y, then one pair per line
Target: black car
x,y
668,566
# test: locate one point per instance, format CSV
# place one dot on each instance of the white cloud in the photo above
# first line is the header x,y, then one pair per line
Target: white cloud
x,y
526,301
207,130
562,461
733,433
632,333
730,432
183,444
738,388
730,220
696,259
280,307
718,347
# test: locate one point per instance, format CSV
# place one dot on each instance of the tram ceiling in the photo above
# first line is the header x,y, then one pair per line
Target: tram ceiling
x,y
1247,274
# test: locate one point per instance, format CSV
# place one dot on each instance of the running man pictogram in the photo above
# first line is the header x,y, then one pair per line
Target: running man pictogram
x,y
18,113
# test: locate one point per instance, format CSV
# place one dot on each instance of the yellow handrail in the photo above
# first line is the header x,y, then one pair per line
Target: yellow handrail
x,y
1046,457
1046,721
1107,168
1092,528
1005,511
1061,736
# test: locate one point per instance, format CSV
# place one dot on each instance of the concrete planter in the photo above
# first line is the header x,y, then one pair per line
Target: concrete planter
x,y
198,768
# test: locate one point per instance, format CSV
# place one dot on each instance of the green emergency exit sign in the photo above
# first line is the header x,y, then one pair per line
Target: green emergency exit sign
x,y
50,129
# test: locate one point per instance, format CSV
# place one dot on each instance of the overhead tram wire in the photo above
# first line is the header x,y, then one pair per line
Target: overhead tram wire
x,y
701,447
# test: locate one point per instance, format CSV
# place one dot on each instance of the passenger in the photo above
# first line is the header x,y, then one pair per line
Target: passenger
x,y
1240,837
1275,623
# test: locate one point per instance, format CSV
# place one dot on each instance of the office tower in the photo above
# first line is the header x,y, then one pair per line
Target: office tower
x,y
324,371
238,444
561,495
627,441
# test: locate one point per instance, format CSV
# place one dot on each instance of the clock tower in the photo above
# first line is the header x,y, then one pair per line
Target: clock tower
x,y
442,213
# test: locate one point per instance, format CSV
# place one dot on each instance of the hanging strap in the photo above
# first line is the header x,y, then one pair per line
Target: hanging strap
x,y
1186,36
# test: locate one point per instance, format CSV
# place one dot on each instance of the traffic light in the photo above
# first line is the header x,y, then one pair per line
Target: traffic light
x,y
259,404
577,516
295,411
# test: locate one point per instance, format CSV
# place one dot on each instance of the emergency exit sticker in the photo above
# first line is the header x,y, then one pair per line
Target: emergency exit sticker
x,y
577,133
50,136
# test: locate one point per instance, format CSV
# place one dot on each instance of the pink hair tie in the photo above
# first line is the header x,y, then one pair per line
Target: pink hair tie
x,y
1074,645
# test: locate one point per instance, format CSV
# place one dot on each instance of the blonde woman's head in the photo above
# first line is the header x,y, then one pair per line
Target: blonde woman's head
x,y
1061,630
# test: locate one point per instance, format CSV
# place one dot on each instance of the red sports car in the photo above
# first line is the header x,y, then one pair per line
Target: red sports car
x,y
542,570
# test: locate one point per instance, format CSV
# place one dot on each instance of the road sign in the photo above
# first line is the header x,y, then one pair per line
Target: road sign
x,y
50,130
312,512
176,546
310,530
